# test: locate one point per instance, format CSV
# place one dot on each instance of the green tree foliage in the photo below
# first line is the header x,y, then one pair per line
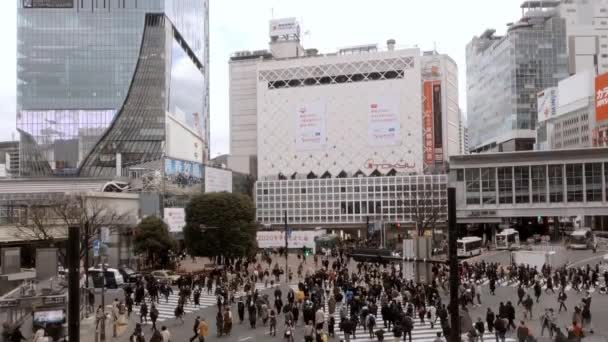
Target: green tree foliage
x,y
220,224
153,240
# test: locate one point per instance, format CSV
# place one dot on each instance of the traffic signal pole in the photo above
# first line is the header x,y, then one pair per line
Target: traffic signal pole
x,y
453,264
286,250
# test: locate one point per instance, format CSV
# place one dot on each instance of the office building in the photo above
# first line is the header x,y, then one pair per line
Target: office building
x,y
338,83
113,89
504,74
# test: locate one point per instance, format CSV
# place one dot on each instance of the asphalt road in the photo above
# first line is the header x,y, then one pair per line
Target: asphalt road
x,y
242,332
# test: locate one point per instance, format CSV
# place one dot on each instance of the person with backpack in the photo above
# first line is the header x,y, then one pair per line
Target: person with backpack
x,y
308,332
227,321
522,332
528,303
561,299
408,326
480,328
272,323
370,323
197,322
288,335
137,335
153,315
500,327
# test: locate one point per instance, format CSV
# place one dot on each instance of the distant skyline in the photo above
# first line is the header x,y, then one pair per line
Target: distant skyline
x,y
329,25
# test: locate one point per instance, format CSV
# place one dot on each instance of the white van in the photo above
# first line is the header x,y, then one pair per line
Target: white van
x,y
113,278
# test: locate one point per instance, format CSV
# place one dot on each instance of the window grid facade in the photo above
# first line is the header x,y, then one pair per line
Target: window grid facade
x,y
534,184
403,199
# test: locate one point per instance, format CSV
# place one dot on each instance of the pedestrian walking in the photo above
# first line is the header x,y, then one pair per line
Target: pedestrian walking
x,y
166,335
561,299
197,322
203,330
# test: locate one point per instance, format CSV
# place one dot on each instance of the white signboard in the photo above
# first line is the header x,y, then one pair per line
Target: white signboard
x,y
276,239
283,27
383,121
217,180
175,218
310,126
547,104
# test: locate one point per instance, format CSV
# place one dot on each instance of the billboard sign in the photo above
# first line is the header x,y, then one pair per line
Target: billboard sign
x,y
546,102
284,27
310,126
427,123
383,121
437,122
297,239
218,180
48,3
175,218
183,177
601,97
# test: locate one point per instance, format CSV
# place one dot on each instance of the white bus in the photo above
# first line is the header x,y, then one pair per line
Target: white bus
x,y
468,246
582,239
508,239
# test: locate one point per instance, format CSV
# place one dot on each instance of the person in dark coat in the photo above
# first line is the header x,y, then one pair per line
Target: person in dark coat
x,y
490,318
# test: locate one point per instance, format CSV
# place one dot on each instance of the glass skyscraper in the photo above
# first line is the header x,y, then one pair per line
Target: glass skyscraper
x,y
100,82
504,75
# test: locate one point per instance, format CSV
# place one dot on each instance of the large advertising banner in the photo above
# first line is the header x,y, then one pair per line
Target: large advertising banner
x,y
183,177
437,121
217,180
48,3
427,122
276,239
601,97
310,126
175,218
383,121
546,102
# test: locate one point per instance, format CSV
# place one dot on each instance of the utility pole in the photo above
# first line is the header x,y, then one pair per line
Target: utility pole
x,y
102,334
73,254
286,250
453,264
87,238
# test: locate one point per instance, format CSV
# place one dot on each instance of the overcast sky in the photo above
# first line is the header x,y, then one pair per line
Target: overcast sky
x,y
243,25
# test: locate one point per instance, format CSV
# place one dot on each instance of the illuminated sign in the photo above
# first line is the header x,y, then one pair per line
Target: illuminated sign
x,y
48,3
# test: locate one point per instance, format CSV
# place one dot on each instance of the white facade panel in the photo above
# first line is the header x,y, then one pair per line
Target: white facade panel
x,y
218,180
182,142
574,88
347,99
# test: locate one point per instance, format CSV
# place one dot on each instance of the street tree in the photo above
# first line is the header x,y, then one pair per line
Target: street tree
x,y
47,221
220,224
153,240
427,210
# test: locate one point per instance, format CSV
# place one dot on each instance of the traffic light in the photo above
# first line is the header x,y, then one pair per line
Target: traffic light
x,y
306,251
398,225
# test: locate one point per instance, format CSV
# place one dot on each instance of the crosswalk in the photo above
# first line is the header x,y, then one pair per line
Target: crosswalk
x,y
166,307
515,284
422,332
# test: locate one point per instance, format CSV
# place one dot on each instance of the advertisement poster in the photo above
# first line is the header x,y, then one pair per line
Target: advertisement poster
x,y
310,126
546,102
437,121
601,97
427,116
217,180
284,27
383,122
175,218
183,176
276,239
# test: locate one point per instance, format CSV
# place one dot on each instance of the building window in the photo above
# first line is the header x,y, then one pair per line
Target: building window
x,y
505,185
556,183
539,184
522,184
472,181
488,185
574,182
593,182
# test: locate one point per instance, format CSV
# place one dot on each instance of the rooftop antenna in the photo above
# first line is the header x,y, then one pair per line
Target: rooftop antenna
x,y
271,13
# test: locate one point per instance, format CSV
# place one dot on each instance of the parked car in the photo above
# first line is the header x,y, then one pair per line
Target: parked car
x,y
165,276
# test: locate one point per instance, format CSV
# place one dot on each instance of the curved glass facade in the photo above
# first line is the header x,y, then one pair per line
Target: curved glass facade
x,y
76,67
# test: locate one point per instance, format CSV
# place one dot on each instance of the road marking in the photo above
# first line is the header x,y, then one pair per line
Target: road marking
x,y
585,260
245,339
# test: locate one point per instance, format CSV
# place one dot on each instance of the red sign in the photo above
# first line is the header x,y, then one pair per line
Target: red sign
x,y
427,105
601,97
